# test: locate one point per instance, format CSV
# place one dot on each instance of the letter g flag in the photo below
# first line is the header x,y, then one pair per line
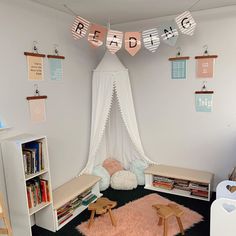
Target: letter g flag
x,y
186,23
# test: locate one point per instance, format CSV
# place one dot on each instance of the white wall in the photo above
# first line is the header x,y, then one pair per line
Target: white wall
x,y
69,101
171,131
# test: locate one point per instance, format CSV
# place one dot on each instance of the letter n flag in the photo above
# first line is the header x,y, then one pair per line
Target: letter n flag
x,y
114,40
79,27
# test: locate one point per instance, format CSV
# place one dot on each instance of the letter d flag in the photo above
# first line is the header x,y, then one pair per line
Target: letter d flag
x,y
132,42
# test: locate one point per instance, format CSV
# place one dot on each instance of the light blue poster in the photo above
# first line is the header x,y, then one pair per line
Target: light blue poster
x,y
178,69
55,69
204,102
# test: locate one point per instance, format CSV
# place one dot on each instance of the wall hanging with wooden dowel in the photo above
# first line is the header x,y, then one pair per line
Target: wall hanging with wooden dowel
x,y
204,99
179,66
55,64
35,63
37,106
205,64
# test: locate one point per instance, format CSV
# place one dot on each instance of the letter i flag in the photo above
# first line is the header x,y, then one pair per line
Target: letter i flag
x,y
186,23
114,40
132,42
151,39
79,27
96,35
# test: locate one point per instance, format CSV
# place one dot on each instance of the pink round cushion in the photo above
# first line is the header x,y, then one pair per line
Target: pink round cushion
x,y
112,166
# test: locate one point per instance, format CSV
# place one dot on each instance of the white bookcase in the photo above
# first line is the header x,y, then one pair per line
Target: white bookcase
x,y
177,173
64,195
21,215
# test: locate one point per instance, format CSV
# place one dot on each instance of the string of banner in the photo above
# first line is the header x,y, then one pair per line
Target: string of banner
x,y
151,38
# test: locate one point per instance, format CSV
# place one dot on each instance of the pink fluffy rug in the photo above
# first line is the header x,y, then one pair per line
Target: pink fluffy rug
x,y
138,218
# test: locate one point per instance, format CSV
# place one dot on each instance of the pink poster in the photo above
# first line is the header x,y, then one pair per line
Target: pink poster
x,y
205,67
132,42
37,110
96,35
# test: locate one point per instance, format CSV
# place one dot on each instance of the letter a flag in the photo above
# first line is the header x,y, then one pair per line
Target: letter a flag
x,y
151,39
132,42
114,40
79,27
169,33
186,23
96,35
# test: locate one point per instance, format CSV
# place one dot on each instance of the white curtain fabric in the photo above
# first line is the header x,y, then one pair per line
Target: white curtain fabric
x,y
114,130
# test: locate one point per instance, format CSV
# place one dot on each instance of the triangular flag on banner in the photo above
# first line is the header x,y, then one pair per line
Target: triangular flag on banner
x,y
114,40
96,35
132,42
151,39
79,27
186,23
169,33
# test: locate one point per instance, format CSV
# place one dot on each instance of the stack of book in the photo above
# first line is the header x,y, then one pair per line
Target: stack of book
x,y
163,182
181,184
76,202
88,199
199,189
37,192
64,213
32,157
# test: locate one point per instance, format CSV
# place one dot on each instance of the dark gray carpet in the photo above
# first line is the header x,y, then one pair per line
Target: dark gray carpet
x,y
122,197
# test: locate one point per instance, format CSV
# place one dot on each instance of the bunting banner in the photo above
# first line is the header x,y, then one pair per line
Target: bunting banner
x,y
151,39
114,40
80,27
186,23
132,42
96,35
169,33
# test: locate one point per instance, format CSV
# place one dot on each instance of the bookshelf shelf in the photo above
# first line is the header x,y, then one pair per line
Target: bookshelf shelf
x,y
29,195
183,174
4,128
76,189
31,176
38,207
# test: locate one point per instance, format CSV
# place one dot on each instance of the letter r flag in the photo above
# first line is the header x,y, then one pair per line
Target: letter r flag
x,y
186,23
79,27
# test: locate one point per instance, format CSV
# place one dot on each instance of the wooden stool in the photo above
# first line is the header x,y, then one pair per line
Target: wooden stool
x,y
165,212
4,217
101,206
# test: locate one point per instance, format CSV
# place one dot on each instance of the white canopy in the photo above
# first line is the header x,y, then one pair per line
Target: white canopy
x,y
114,130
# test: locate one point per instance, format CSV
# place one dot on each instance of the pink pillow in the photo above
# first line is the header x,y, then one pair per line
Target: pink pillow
x,y
112,166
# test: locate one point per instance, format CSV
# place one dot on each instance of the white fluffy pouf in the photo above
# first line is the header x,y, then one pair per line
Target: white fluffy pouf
x,y
124,180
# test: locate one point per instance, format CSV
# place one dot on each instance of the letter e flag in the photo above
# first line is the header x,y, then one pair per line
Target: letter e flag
x,y
186,23
114,40
151,39
96,35
79,27
132,42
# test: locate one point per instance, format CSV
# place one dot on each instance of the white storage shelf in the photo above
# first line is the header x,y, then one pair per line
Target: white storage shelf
x,y
70,190
20,214
190,175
